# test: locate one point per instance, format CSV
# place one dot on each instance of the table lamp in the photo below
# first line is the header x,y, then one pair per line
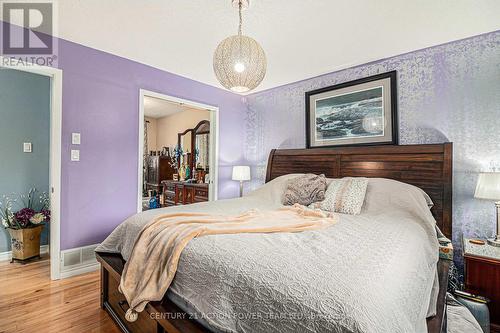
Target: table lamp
x,y
241,173
488,187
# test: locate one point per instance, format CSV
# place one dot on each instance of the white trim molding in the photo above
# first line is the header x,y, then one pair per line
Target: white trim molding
x,y
214,141
4,256
56,77
83,269
78,261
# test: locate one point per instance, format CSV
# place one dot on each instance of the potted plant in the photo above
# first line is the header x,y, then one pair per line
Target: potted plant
x,y
25,225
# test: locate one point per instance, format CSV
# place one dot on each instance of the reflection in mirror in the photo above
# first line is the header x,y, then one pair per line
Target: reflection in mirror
x,y
186,142
202,146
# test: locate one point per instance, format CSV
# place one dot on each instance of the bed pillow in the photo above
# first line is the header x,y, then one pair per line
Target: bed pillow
x,y
305,190
344,196
272,191
428,199
385,194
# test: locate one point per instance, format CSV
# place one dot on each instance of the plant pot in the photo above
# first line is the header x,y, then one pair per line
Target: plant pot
x,y
25,242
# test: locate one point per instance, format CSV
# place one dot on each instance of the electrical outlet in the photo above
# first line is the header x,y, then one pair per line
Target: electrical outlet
x,y
27,147
75,138
75,155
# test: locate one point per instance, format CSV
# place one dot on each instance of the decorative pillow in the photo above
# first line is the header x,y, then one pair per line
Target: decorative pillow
x,y
305,190
344,195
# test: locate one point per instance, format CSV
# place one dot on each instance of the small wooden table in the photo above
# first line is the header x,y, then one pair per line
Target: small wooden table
x,y
184,193
482,276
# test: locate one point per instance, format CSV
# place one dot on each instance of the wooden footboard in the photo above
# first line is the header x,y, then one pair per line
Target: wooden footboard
x,y
165,316
157,317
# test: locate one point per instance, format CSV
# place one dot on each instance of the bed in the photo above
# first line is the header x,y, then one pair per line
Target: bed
x,y
193,297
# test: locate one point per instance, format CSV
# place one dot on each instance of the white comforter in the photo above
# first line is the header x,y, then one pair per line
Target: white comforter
x,y
374,272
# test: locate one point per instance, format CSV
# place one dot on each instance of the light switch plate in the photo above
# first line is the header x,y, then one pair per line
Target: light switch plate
x,y
27,147
75,138
75,155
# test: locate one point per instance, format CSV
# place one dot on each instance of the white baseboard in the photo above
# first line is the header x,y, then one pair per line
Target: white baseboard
x,y
81,269
7,256
78,261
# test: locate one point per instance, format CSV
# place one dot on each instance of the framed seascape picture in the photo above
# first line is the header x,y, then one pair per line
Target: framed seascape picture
x,y
360,112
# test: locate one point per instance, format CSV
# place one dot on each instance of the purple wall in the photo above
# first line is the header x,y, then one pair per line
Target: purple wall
x,y
101,101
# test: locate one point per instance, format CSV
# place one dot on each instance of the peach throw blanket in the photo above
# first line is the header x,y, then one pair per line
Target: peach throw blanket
x,y
153,263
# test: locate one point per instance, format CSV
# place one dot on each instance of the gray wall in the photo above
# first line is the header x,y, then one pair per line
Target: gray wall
x,y
448,92
24,117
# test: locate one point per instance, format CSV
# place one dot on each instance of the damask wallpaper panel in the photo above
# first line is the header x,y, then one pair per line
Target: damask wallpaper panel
x,y
449,92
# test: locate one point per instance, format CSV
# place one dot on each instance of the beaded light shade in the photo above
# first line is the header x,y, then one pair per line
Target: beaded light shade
x,y
239,61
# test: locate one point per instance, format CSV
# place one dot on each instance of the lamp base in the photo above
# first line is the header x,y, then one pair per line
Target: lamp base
x,y
494,241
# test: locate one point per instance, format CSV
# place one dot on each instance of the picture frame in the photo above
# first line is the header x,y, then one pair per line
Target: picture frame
x,y
360,112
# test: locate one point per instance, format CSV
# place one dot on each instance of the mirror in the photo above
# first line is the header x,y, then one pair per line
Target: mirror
x,y
184,140
195,145
202,144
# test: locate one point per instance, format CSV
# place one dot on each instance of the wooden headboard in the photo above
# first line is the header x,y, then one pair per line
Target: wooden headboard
x,y
426,166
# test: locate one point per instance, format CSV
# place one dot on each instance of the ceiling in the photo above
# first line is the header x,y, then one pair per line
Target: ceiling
x,y
301,38
158,108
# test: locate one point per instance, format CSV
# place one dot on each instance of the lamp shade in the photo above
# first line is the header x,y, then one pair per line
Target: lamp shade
x,y
241,172
488,186
239,63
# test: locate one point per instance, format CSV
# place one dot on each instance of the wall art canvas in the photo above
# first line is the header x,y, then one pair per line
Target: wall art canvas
x,y
360,112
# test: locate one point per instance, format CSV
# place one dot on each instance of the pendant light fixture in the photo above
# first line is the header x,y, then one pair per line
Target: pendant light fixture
x,y
239,61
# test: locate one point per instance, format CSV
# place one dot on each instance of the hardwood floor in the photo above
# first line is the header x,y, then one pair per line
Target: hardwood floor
x,y
31,302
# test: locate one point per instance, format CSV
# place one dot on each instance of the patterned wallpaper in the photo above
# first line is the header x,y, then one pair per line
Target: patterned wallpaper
x,y
449,92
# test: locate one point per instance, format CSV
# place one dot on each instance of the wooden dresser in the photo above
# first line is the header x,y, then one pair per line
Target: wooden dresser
x,y
182,193
158,169
482,276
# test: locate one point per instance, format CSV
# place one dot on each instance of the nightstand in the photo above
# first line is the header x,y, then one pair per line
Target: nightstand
x,y
482,276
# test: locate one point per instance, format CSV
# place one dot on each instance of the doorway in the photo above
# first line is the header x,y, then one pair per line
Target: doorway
x,y
178,151
53,96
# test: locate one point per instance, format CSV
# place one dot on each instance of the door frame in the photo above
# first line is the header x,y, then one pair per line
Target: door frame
x,y
55,76
214,141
